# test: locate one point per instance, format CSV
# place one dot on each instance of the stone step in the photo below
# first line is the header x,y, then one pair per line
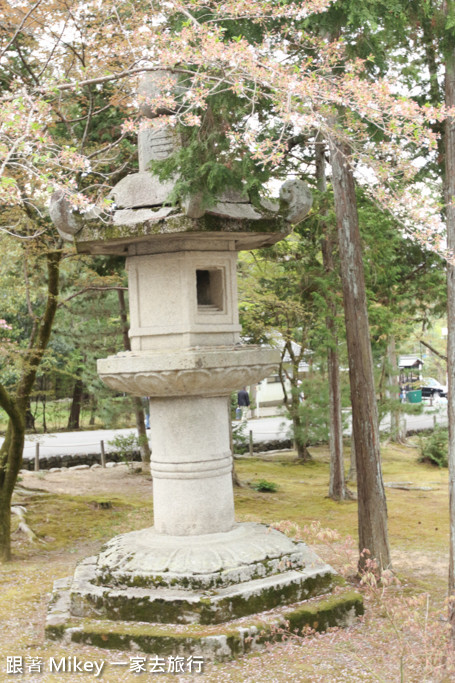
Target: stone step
x,y
173,605
215,642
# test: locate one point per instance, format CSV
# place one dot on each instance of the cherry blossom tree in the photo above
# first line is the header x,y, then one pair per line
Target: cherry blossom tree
x,y
47,142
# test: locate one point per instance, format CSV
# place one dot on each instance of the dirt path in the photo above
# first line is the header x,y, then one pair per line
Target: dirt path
x,y
111,480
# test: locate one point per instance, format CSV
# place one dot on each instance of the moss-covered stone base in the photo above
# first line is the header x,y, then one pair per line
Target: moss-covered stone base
x,y
179,605
217,642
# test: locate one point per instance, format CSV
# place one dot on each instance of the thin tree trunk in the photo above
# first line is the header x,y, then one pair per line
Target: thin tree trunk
x,y
10,463
303,454
137,403
93,406
253,396
142,434
352,475
372,507
29,417
337,484
12,447
449,187
76,403
235,477
392,389
393,384
44,402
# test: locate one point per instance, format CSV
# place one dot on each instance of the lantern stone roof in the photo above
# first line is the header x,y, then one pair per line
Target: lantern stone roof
x,y
143,214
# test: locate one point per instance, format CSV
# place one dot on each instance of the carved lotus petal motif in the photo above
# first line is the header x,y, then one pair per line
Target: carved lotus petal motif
x,y
207,372
146,553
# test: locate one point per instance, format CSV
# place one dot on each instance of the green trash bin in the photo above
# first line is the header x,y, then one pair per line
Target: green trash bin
x,y
414,396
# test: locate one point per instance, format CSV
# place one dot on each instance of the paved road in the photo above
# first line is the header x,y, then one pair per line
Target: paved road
x,y
72,443
270,428
431,416
264,429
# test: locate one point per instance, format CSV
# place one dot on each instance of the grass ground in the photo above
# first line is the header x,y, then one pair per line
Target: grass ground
x,y
400,638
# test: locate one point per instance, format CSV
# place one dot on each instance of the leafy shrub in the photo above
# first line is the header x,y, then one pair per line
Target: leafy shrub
x,y
434,448
240,438
314,410
126,446
233,404
264,486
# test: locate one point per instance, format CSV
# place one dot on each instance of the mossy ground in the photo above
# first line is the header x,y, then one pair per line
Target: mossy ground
x,y
415,516
74,527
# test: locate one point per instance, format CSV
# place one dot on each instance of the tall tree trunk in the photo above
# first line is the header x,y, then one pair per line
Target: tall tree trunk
x,y
235,477
76,403
93,406
16,407
393,390
337,484
43,402
137,403
254,398
10,463
449,188
372,507
352,474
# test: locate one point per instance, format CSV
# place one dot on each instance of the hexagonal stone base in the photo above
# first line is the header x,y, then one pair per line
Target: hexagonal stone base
x,y
220,642
180,606
151,590
208,579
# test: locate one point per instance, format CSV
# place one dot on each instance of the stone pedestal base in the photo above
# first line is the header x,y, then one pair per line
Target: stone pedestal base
x,y
148,579
209,579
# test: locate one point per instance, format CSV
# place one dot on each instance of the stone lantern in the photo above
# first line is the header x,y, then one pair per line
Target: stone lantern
x,y
195,565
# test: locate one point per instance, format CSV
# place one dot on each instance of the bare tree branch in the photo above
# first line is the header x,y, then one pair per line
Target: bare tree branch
x,y
126,73
105,288
21,25
433,350
88,121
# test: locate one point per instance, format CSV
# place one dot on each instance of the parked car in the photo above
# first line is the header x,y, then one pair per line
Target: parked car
x,y
431,388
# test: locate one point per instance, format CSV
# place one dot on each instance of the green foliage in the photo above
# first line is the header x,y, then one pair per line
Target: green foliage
x,y
207,165
434,448
405,283
240,438
286,289
314,413
126,446
114,411
233,404
264,486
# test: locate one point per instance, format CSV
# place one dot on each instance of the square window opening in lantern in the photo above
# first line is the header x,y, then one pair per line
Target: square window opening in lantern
x,y
210,290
